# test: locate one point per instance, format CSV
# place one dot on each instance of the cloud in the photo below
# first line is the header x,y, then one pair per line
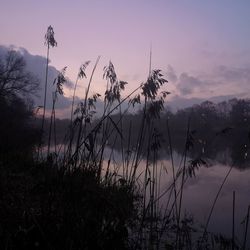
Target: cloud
x,y
171,74
222,80
188,84
37,65
128,78
221,83
234,74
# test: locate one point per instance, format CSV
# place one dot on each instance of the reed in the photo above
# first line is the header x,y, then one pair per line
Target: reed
x,y
86,198
50,42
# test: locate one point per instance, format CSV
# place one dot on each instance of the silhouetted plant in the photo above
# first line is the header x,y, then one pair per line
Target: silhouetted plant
x,y
81,75
195,165
55,203
50,42
153,84
58,82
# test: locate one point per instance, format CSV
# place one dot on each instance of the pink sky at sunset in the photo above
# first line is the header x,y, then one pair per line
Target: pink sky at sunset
x,y
202,46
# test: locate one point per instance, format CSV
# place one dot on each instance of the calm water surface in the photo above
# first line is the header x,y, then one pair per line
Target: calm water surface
x,y
200,192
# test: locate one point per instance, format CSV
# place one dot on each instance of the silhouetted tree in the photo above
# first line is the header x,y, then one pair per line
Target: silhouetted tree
x,y
17,85
18,134
240,113
14,78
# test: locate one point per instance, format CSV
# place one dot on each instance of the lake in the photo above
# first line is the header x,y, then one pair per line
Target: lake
x,y
200,191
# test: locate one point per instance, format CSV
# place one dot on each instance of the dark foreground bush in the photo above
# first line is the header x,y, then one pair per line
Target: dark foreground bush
x,y
44,207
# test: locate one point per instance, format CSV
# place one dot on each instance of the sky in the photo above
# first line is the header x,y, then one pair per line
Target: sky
x,y
202,47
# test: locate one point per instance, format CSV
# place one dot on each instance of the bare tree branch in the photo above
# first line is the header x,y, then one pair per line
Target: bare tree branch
x,y
14,79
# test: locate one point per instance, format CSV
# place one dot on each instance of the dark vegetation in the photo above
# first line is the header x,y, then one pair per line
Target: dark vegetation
x,y
220,131
76,195
18,134
217,130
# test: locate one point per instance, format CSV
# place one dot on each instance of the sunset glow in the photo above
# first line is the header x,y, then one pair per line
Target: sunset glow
x,y
194,37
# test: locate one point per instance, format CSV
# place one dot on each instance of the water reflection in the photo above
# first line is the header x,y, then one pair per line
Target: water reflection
x,y
200,191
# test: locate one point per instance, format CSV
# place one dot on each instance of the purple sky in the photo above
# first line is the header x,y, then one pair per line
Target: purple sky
x,y
203,46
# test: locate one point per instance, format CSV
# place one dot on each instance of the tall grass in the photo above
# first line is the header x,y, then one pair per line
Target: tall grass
x,y
157,223
50,42
83,197
58,82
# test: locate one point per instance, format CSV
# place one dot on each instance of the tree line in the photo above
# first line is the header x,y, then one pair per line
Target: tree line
x,y
217,131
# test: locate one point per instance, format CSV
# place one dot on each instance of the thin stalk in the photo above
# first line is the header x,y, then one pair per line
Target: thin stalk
x,y
90,80
150,60
85,105
55,141
147,181
233,240
245,235
173,169
51,121
73,101
101,149
215,200
155,189
182,185
45,88
140,137
71,133
121,140
105,117
106,135
139,141
105,126
128,149
172,206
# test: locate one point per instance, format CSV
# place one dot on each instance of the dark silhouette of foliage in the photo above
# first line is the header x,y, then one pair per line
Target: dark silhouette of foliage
x,y
153,84
65,210
14,78
49,37
215,128
18,133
